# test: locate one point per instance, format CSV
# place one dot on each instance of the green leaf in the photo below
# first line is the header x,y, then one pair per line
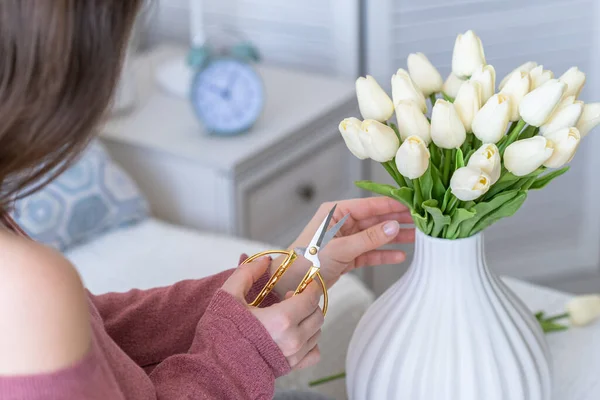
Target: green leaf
x,y
426,181
379,188
507,209
509,182
438,189
539,315
548,327
392,170
484,208
512,136
420,222
460,161
460,215
528,132
439,219
542,181
447,196
469,154
403,195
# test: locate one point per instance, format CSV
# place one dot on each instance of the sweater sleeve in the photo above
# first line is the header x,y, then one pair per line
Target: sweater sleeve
x,y
232,356
151,325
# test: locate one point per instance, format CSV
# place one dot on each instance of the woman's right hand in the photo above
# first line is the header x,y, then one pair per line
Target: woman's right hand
x,y
294,323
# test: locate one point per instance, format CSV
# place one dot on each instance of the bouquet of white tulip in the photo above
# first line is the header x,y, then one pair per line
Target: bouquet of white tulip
x,y
472,161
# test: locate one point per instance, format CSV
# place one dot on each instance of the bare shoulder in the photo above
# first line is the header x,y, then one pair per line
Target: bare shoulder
x,y
44,315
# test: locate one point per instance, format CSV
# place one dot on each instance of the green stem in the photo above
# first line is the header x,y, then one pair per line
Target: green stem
x,y
452,205
433,99
398,178
447,161
556,317
327,379
434,151
418,194
447,98
514,134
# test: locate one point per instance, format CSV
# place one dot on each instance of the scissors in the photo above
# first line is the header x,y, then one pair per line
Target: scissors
x,y
320,239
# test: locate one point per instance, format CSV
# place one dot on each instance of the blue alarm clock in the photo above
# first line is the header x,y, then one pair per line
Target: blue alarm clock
x,y
227,93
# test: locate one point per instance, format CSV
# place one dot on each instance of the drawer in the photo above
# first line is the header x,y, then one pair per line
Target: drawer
x,y
279,206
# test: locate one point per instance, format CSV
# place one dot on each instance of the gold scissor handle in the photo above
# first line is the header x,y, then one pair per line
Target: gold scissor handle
x,y
287,262
308,278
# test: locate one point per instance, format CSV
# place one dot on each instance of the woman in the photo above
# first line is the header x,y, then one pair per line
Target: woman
x,y
59,62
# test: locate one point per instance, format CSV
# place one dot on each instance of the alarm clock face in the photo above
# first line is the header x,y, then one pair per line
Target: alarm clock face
x,y
228,96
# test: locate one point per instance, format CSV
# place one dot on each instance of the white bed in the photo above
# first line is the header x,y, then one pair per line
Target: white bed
x,y
154,253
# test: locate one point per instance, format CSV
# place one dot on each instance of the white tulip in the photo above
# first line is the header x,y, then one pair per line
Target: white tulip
x,y
525,156
468,54
584,309
539,104
424,74
350,129
526,67
539,76
566,141
516,88
589,119
469,183
487,159
566,115
412,122
575,79
490,123
412,158
373,101
468,102
486,76
452,85
404,88
447,130
379,140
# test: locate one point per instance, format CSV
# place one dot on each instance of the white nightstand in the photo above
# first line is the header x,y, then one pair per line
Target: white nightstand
x,y
263,185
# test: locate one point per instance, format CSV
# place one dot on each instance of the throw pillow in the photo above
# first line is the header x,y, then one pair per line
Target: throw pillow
x,y
93,196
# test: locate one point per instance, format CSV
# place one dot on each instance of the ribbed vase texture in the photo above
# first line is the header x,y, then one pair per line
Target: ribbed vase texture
x,y
450,329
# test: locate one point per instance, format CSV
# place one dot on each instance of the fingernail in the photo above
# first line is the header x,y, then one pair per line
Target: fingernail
x,y
391,228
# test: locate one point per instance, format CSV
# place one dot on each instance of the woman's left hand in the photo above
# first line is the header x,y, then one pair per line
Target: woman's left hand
x,y
373,222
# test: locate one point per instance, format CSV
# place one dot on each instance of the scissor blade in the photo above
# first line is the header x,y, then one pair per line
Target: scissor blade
x,y
324,226
300,250
333,231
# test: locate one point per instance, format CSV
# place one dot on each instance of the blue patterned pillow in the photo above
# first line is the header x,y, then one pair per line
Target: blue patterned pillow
x,y
93,196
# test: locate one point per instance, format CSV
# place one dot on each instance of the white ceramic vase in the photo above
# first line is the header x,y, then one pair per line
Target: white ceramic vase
x,y
448,330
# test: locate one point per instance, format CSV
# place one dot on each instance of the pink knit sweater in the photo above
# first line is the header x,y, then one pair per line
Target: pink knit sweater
x,y
190,340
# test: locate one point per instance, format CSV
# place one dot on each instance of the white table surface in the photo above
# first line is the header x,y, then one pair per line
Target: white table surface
x,y
575,352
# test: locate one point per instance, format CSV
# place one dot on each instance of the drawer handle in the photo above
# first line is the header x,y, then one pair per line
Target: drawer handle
x,y
306,192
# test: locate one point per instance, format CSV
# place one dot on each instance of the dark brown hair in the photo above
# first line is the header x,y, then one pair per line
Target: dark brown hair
x,y
60,61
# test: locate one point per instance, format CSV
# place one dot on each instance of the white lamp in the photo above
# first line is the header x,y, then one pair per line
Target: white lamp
x,y
175,76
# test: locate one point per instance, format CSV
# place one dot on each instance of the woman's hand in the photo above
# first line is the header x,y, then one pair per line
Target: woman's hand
x,y
373,222
294,323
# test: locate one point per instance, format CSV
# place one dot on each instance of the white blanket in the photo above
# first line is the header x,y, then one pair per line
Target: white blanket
x,y
154,253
